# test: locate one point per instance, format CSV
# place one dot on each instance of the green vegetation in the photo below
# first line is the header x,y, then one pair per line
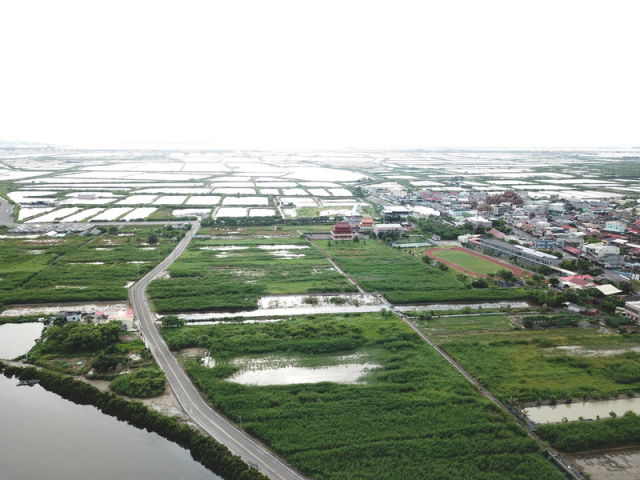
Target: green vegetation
x,y
173,321
405,278
550,364
475,323
143,383
206,450
75,268
468,261
580,436
430,226
231,274
78,337
414,407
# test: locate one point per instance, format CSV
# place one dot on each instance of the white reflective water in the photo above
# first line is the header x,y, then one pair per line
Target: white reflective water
x,y
290,375
17,338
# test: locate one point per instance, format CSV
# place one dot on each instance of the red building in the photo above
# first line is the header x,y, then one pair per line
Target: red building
x,y
341,231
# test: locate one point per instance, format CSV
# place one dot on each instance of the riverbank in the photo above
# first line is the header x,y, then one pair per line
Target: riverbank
x,y
206,450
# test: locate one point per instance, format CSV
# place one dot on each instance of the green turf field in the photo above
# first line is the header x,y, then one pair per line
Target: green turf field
x,y
468,261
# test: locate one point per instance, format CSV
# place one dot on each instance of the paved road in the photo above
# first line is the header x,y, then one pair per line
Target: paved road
x,y
193,404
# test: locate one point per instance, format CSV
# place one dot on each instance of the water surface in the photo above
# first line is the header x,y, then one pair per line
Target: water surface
x,y
45,436
17,338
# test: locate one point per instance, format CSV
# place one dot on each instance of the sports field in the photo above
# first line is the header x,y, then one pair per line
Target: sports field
x,y
470,262
467,261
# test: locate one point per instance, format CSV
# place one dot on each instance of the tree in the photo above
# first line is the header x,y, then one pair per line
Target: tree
x,y
480,283
554,281
172,321
506,275
152,238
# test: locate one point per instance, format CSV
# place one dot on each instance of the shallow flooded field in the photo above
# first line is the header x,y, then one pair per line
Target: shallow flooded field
x,y
586,410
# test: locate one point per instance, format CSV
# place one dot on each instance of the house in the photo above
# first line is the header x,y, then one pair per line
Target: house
x,y
615,226
73,316
342,231
578,282
125,316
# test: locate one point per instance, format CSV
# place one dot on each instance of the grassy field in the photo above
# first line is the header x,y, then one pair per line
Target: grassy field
x,y
404,278
471,323
550,364
468,261
230,274
74,268
415,417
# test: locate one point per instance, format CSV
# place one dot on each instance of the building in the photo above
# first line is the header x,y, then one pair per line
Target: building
x,y
379,228
544,243
126,317
606,255
395,210
631,310
366,225
578,282
479,221
341,231
615,227
529,255
73,316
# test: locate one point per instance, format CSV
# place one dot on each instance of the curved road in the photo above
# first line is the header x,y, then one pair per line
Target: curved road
x,y
193,404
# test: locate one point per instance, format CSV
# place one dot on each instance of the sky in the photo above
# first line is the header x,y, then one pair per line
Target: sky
x,y
274,74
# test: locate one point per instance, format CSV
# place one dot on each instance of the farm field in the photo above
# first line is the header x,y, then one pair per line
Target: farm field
x,y
408,407
461,324
230,274
404,278
550,364
75,268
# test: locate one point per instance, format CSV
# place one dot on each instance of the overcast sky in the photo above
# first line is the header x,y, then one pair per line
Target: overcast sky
x,y
329,74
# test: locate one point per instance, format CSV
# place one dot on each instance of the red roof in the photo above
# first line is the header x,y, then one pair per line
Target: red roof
x,y
341,227
573,250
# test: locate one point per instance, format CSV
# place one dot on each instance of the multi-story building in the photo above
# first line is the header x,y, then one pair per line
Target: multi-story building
x,y
342,231
607,256
615,226
516,251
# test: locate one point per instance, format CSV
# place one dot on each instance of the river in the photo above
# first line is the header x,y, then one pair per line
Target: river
x,y
17,338
46,436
